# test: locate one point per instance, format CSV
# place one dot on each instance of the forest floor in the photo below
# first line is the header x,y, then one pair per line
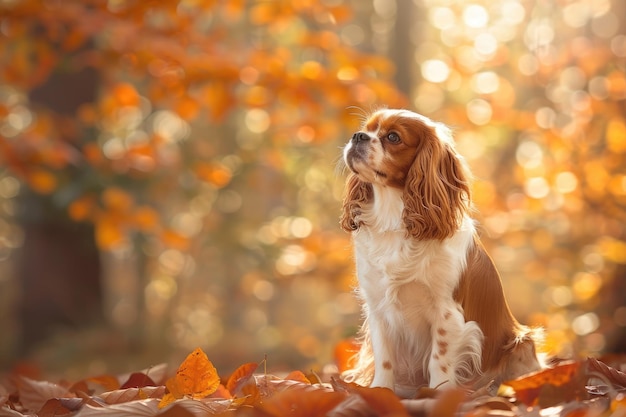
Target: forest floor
x,y
589,387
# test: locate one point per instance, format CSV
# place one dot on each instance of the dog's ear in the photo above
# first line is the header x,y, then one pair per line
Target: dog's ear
x,y
437,191
358,193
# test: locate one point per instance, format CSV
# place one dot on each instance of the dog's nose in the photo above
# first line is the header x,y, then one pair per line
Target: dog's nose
x,y
360,137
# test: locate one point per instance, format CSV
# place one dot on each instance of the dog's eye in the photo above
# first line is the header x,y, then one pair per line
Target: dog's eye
x,y
393,137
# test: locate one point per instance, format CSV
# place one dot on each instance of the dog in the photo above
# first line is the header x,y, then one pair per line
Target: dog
x,y
434,309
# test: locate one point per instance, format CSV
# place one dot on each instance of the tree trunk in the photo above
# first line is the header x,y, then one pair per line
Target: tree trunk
x,y
59,271
59,268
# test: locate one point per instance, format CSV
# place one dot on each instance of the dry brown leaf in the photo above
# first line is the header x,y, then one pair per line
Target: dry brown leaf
x,y
197,408
138,380
34,394
132,394
176,410
55,408
612,375
140,408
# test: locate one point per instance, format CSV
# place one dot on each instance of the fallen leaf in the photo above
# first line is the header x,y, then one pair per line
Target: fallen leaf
x,y
176,410
241,375
141,408
301,400
108,382
382,401
221,393
202,407
138,380
167,399
55,408
132,394
297,376
550,386
611,374
351,406
34,394
196,378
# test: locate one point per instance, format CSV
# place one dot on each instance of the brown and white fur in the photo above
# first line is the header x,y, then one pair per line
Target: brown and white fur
x,y
435,312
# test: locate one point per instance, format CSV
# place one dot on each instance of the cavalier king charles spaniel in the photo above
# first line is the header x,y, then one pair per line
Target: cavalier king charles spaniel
x,y
434,308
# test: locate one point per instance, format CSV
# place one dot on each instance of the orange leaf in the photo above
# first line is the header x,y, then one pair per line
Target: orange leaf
x,y
303,400
382,400
238,378
222,393
530,388
108,382
167,400
297,376
448,402
196,377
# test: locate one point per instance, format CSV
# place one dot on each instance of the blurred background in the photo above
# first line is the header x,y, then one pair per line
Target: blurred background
x,y
169,170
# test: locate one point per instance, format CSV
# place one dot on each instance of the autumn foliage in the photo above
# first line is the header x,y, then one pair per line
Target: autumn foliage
x,y
196,389
164,66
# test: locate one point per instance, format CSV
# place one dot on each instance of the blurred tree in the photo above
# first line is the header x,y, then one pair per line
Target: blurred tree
x,y
63,286
195,101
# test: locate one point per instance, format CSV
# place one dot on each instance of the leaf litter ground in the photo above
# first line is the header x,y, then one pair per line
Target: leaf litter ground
x,y
569,388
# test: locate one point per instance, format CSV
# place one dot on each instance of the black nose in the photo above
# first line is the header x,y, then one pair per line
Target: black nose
x,y
360,137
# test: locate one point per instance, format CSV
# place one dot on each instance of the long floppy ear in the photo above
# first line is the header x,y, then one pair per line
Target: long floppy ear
x,y
437,191
358,193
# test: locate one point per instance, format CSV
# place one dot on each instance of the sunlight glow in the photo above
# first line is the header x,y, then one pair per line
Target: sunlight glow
x,y
586,285
486,82
479,111
263,290
566,182
529,154
442,17
585,324
475,16
169,126
435,70
528,64
486,44
537,187
257,120
513,13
